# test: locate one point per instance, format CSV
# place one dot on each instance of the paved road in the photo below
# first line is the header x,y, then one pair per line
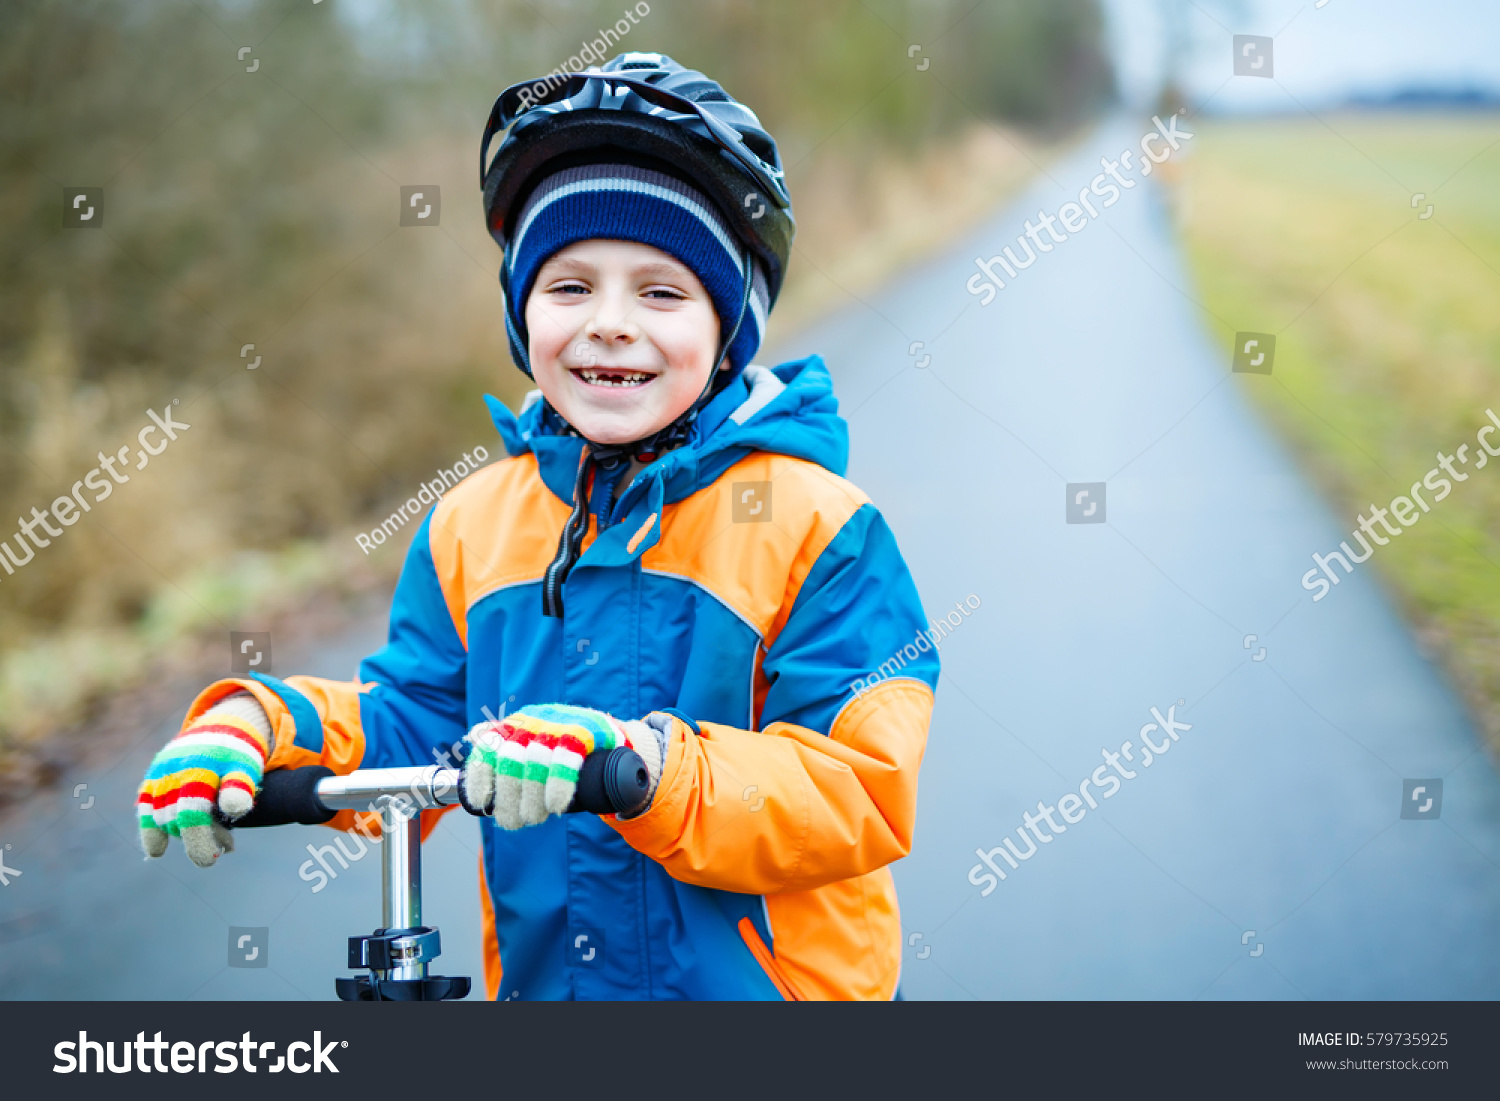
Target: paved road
x,y
89,918
1262,856
1279,812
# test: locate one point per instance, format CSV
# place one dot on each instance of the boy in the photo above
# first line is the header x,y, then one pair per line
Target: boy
x,y
670,551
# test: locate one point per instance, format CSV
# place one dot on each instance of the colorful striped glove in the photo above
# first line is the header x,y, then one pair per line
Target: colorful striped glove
x,y
208,774
524,768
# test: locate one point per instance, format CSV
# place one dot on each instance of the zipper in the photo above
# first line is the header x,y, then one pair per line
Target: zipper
x,y
767,961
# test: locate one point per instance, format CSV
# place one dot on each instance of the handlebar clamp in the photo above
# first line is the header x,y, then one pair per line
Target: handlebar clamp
x,y
387,948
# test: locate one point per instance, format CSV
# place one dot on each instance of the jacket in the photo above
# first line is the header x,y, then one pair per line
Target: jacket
x,y
740,582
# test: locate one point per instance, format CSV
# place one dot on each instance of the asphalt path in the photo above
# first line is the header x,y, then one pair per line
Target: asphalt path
x,y
88,917
1263,854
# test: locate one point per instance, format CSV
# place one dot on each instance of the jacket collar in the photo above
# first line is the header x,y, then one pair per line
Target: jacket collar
x,y
789,409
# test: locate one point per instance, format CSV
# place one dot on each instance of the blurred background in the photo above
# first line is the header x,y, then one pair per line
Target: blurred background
x,y
260,207
251,155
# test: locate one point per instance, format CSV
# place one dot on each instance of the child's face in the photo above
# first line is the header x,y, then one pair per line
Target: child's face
x,y
623,338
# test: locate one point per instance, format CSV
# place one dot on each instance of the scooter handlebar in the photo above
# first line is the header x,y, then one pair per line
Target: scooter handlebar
x,y
611,781
289,795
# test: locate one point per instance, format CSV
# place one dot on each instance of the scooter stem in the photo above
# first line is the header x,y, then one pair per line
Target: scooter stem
x,y
401,878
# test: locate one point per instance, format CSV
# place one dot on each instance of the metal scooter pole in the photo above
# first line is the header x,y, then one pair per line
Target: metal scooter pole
x,y
395,956
401,880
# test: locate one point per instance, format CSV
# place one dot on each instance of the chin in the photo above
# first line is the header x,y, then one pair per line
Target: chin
x,y
611,431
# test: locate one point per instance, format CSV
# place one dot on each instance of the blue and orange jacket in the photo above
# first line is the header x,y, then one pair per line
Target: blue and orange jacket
x,y
761,868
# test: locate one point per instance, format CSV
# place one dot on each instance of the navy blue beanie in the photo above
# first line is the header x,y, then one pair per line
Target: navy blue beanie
x,y
624,202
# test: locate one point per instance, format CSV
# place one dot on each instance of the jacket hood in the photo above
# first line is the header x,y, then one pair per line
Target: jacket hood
x,y
789,409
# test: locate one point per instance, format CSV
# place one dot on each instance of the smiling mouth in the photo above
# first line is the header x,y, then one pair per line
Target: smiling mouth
x,y
619,378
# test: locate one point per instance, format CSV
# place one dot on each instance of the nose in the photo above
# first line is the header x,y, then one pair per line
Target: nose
x,y
611,323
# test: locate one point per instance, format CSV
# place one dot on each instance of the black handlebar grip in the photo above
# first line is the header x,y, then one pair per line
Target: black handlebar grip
x,y
288,795
611,783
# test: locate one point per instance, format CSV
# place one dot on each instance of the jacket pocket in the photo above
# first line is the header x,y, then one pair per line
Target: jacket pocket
x,y
768,962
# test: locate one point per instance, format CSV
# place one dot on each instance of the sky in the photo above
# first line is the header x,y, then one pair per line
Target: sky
x,y
1320,55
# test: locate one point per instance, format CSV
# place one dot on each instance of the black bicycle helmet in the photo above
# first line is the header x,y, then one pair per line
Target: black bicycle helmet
x,y
641,106
643,109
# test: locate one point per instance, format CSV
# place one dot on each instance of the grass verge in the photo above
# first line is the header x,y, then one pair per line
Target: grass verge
x,y
1388,335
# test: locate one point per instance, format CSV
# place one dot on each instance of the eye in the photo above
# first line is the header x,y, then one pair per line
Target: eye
x,y
571,286
665,294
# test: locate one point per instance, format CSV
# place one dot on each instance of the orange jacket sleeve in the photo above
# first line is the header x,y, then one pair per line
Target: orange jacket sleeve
x,y
343,740
336,703
788,808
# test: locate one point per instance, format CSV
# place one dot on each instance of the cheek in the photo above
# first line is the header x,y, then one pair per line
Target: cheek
x,y
690,345
547,335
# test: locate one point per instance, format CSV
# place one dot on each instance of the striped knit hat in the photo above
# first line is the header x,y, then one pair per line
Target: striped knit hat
x,y
629,203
